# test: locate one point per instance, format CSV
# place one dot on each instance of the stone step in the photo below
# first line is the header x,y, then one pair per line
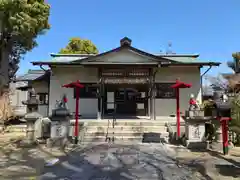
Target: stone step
x,y
126,128
123,132
101,138
122,122
16,128
116,138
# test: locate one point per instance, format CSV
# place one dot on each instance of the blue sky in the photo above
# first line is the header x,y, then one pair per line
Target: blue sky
x,y
208,27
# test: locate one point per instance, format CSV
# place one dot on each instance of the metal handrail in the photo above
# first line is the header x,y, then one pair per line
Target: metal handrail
x,y
113,124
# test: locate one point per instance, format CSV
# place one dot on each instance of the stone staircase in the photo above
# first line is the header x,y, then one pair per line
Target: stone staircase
x,y
123,130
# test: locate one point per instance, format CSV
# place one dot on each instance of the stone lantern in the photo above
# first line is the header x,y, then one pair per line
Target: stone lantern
x,y
32,116
222,110
60,122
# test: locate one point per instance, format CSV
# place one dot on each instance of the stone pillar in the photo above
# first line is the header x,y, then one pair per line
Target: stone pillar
x,y
151,112
99,96
151,105
217,143
218,137
154,103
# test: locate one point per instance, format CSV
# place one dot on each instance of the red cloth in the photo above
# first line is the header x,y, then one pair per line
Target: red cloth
x,y
65,99
192,101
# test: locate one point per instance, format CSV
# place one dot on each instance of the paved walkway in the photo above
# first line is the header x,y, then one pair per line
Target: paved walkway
x,y
115,162
119,162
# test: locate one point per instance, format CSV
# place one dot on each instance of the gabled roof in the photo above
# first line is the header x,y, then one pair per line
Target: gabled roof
x,y
154,59
151,57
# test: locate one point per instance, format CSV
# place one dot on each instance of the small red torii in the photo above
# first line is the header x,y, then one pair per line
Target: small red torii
x,y
179,85
77,85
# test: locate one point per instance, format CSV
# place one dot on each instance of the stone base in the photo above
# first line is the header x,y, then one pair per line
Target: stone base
x,y
41,141
1,128
61,142
216,146
26,144
195,144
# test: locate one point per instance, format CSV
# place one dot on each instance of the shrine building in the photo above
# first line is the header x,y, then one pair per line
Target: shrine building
x,y
125,82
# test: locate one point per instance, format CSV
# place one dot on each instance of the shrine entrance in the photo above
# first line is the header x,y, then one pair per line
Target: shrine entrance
x,y
125,92
126,100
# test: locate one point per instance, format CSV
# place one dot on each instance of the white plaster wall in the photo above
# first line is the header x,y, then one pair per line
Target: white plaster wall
x,y
16,98
65,75
166,107
88,107
41,87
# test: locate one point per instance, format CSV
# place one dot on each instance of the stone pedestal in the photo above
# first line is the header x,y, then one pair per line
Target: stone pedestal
x,y
31,118
195,132
42,129
1,128
60,123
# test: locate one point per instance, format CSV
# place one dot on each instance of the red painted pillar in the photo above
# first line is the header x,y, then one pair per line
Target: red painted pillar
x,y
224,136
76,116
178,112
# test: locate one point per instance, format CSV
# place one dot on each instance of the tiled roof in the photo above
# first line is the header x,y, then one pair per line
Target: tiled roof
x,y
66,59
186,59
72,55
180,58
31,75
176,55
183,58
18,84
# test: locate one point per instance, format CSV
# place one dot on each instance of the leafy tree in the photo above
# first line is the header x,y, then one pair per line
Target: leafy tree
x,y
79,46
234,64
235,122
217,83
231,84
21,23
234,80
